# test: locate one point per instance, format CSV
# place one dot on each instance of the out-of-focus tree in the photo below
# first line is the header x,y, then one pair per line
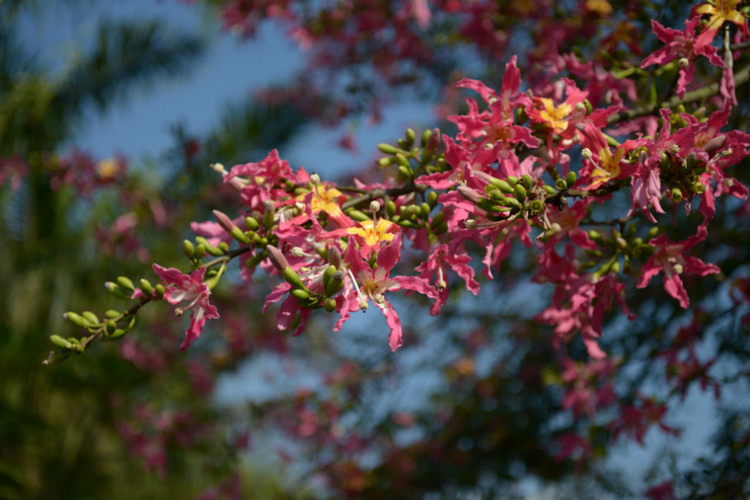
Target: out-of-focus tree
x,y
137,421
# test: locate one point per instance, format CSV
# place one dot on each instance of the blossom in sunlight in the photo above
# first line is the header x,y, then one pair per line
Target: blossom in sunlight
x,y
188,287
365,284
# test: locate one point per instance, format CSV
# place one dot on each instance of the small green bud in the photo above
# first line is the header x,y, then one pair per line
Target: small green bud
x,y
432,198
252,223
115,290
652,233
390,208
512,180
526,181
291,277
126,283
76,319
410,136
223,247
159,289
549,190
329,304
437,220
536,206
200,251
60,342
387,149
405,171
520,193
188,249
560,184
111,313
402,144
676,194
300,294
571,178
335,283
357,215
424,210
327,275
146,287
110,327
425,137
90,318
386,161
502,185
589,107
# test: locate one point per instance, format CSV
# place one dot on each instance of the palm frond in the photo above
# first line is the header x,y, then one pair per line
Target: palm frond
x,y
126,55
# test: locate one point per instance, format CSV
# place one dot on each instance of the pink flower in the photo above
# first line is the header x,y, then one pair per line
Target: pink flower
x,y
188,287
672,259
685,45
365,284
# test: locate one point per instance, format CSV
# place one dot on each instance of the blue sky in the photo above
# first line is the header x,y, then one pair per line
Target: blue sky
x,y
138,127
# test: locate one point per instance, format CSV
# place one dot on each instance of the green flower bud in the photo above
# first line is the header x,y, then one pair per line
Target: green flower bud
x,y
571,178
188,249
159,289
300,295
561,185
502,185
652,233
357,215
410,136
387,149
520,193
386,161
335,283
512,180
404,171
60,342
146,287
76,319
432,198
425,137
110,327
526,181
200,251
252,223
424,210
437,220
390,208
91,318
329,304
111,313
549,190
126,283
536,206
327,275
676,194
115,290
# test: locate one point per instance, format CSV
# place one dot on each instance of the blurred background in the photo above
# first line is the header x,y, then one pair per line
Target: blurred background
x,y
111,113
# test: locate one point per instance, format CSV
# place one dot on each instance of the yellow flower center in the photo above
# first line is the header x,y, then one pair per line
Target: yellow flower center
x,y
555,117
324,199
608,167
720,11
373,233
